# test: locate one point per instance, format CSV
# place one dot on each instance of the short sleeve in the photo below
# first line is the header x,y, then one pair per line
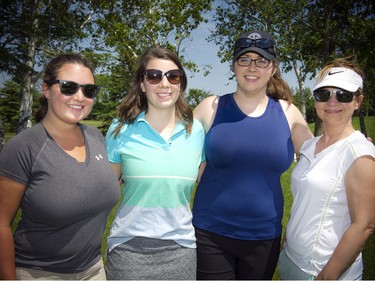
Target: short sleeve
x,y
112,143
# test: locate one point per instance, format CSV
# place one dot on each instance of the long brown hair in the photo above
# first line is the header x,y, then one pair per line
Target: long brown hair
x,y
51,71
135,101
277,87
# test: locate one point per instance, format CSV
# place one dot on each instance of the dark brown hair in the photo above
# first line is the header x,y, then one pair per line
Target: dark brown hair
x,y
51,71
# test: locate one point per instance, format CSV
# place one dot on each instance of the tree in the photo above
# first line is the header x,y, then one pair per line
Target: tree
x,y
309,33
195,96
2,139
124,29
33,31
308,103
9,105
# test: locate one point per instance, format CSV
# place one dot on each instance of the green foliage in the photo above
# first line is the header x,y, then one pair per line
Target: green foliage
x,y
195,96
127,28
309,33
10,103
9,106
309,104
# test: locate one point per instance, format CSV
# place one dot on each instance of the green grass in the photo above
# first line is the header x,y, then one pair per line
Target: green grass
x,y
368,251
91,122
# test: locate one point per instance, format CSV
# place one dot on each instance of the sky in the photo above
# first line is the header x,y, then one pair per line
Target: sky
x,y
217,82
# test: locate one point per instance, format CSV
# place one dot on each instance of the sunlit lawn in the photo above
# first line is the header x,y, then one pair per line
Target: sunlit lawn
x,y
369,250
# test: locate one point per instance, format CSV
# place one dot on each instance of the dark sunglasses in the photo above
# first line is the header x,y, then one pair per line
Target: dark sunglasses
x,y
69,88
262,43
341,95
154,76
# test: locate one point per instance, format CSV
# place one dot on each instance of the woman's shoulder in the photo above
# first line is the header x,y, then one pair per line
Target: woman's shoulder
x,y
89,128
35,132
360,145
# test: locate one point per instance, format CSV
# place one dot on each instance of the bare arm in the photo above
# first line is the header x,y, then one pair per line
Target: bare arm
x,y
11,194
200,172
360,192
298,125
117,169
205,111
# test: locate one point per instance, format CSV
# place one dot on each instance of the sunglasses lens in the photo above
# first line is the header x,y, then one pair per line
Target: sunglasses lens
x,y
344,96
322,96
341,96
244,42
90,90
154,76
262,43
68,88
174,76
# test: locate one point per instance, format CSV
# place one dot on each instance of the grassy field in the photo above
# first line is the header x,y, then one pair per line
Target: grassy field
x,y
368,251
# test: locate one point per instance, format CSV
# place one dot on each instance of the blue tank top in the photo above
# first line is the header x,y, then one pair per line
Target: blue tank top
x,y
240,194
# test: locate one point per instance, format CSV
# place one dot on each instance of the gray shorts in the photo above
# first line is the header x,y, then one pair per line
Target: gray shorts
x,y
151,259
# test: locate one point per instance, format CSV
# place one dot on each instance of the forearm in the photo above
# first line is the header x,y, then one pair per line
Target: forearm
x,y
345,253
7,260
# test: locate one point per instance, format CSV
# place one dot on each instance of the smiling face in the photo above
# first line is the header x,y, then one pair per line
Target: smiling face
x,y
252,79
333,112
163,95
69,109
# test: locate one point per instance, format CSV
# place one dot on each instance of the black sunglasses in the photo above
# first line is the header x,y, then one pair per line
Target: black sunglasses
x,y
262,43
69,88
154,76
341,95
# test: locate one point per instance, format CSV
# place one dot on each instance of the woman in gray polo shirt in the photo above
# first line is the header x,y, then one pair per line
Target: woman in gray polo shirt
x,y
58,174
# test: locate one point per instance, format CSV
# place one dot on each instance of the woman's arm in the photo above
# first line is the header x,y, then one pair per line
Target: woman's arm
x,y
298,126
205,111
360,192
117,169
11,194
200,171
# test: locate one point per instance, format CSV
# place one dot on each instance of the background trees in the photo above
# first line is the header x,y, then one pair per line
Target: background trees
x,y
113,33
309,34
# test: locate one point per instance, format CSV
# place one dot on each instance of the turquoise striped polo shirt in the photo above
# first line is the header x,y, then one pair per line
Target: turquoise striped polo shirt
x,y
159,177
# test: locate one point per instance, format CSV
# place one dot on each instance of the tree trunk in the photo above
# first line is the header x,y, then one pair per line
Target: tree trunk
x,y
27,86
301,85
2,139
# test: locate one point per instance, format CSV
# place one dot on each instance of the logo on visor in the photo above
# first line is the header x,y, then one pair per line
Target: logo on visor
x,y
335,72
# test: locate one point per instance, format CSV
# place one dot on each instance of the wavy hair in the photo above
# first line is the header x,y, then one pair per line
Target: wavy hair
x,y
135,101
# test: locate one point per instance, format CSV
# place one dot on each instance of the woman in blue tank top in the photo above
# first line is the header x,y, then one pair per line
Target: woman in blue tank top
x,y
251,139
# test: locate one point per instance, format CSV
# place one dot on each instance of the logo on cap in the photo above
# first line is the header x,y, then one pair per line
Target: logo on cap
x,y
254,36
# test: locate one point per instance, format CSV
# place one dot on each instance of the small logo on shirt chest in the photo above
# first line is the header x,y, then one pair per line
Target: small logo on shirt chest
x,y
99,157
